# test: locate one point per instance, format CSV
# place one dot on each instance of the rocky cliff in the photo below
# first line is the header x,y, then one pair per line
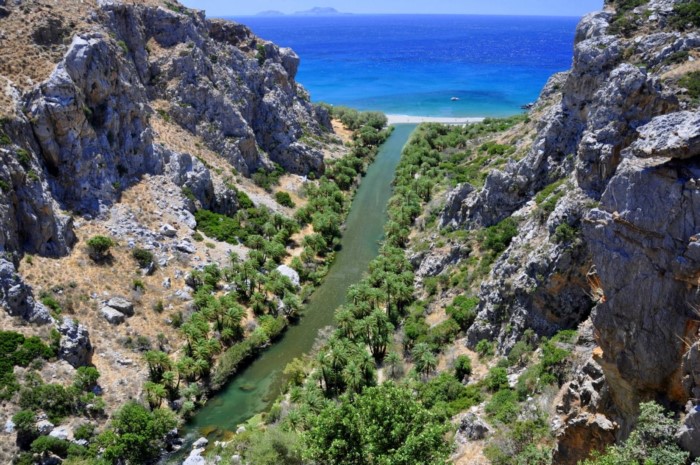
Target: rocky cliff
x,y
615,152
111,80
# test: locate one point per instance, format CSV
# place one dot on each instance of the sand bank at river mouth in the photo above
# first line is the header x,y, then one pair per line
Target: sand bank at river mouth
x,y
406,119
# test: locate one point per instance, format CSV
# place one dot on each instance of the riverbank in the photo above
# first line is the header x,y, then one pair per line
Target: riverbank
x,y
256,387
407,119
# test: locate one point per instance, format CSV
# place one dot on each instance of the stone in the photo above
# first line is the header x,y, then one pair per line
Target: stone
x,y
240,429
60,432
186,247
167,283
168,230
75,346
17,298
675,135
195,458
113,316
647,260
9,427
122,305
200,443
44,427
473,428
290,273
689,434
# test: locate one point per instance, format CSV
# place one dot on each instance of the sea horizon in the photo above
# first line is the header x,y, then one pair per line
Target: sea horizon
x,y
417,65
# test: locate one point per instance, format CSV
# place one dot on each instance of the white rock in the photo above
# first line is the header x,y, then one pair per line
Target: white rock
x,y
168,230
60,433
44,427
290,273
200,443
113,316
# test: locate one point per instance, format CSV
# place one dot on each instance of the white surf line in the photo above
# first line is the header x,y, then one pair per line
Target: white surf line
x,y
406,119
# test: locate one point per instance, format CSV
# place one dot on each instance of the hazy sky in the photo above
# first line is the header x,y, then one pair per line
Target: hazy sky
x,y
500,7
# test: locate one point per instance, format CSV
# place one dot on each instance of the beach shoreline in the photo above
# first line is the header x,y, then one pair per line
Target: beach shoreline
x,y
407,119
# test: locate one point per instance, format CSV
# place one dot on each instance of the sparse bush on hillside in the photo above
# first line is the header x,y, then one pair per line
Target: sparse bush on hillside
x,y
284,199
691,81
142,256
99,247
687,14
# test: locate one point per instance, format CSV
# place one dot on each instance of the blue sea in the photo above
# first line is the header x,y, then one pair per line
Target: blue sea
x,y
415,65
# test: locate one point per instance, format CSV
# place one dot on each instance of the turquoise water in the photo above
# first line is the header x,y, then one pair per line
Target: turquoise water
x,y
414,65
255,388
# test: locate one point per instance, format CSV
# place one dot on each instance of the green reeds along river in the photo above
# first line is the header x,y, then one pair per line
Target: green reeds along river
x,y
260,383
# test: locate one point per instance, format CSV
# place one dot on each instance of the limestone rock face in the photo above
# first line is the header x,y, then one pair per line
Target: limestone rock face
x,y
88,129
91,120
16,296
75,347
645,251
676,135
689,434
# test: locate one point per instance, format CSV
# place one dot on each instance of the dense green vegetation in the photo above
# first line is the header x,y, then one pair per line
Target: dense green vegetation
x,y
691,81
17,350
687,14
652,442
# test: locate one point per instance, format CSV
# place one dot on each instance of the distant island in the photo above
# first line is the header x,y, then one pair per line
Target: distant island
x,y
270,13
316,11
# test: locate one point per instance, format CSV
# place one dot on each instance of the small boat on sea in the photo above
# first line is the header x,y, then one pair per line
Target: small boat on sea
x,y
455,99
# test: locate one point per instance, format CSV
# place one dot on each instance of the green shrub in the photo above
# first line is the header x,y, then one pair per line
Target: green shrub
x,y
136,434
85,431
564,233
284,199
691,81
86,378
497,238
463,367
52,303
261,54
503,406
24,158
99,246
463,310
485,348
142,256
5,139
4,186
686,13
652,442
496,379
46,444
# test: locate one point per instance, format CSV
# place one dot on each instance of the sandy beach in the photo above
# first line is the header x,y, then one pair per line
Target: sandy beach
x,y
406,119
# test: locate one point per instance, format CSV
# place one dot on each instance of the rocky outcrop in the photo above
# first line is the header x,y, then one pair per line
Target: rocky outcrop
x,y
673,136
86,133
75,346
16,296
689,434
539,282
642,239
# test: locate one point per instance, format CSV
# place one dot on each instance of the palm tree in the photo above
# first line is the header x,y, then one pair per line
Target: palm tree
x,y
158,362
345,321
185,369
394,364
172,383
200,368
155,393
352,375
380,330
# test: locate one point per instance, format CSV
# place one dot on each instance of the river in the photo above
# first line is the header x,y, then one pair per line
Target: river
x,y
260,383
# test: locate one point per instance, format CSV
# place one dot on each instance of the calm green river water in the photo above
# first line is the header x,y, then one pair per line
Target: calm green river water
x,y
255,388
